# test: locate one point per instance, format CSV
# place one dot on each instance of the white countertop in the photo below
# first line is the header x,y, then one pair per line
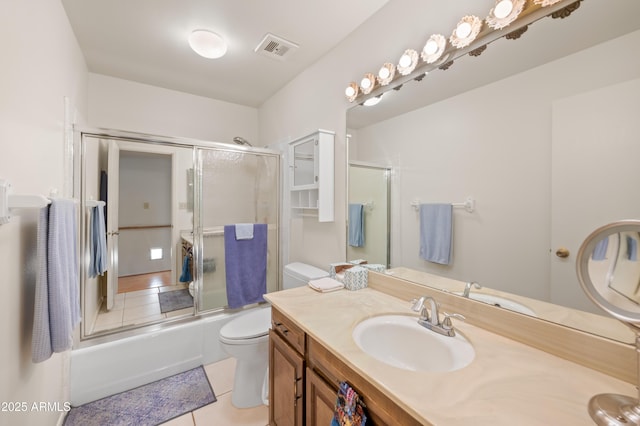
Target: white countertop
x,y
507,383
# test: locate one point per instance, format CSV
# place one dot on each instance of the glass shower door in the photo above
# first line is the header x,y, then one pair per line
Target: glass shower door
x,y
237,186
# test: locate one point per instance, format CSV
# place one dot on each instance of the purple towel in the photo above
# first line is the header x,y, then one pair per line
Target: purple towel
x,y
246,266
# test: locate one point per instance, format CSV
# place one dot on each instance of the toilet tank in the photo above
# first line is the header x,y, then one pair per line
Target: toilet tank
x,y
298,274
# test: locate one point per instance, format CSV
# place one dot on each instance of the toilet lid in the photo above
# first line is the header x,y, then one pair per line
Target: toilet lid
x,y
246,326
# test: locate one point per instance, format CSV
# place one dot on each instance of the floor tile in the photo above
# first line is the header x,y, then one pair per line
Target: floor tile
x,y
185,420
223,412
142,311
139,300
221,375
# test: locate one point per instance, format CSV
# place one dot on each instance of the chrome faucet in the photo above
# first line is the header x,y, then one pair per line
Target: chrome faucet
x,y
467,288
431,319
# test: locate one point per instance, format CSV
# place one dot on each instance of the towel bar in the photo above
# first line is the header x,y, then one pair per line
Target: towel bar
x,y
17,201
469,204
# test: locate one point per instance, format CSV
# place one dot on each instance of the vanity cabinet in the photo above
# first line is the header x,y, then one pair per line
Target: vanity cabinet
x,y
311,165
304,378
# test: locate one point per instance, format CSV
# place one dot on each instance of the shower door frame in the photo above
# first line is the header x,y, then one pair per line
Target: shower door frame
x,y
82,338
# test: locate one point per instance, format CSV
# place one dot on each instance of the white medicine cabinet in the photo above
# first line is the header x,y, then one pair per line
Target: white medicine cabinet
x,y
311,165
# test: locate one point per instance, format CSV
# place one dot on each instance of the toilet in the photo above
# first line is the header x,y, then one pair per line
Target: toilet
x,y
246,338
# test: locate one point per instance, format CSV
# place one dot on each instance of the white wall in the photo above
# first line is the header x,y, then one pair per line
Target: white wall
x,y
126,105
41,65
472,144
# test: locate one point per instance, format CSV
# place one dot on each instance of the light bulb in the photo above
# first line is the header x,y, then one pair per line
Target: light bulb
x,y
384,72
365,83
503,9
405,61
463,30
431,47
350,91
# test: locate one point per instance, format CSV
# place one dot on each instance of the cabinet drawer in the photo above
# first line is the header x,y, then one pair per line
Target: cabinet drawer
x,y
290,332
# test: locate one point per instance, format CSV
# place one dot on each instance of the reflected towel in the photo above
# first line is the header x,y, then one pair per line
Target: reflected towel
x,y
98,246
57,298
356,225
600,250
185,276
436,231
246,266
244,231
349,408
632,248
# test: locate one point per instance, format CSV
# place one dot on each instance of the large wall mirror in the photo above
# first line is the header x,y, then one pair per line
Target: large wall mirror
x,y
545,145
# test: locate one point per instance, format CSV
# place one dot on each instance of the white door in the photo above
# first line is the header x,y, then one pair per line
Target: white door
x,y
595,155
113,176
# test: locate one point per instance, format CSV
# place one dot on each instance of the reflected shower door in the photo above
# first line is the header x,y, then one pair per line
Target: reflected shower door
x,y
237,187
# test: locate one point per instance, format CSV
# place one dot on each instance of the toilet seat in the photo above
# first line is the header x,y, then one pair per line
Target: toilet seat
x,y
247,328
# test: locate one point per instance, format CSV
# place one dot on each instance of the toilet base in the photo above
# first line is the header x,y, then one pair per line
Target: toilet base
x,y
247,388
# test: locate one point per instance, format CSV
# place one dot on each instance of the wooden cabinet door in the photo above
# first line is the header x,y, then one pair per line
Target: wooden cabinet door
x,y
320,400
286,383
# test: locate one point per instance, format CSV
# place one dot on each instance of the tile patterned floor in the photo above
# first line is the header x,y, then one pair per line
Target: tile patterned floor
x,y
222,412
136,307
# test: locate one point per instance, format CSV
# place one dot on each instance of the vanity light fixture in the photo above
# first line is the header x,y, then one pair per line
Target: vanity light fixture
x,y
352,90
367,83
466,31
207,44
504,13
433,48
408,62
386,73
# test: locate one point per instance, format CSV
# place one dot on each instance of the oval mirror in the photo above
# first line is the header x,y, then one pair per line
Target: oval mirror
x,y
609,272
608,269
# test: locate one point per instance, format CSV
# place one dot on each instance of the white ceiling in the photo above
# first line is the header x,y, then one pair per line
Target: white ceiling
x,y
146,41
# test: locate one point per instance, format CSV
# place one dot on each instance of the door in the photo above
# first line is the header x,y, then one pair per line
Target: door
x,y
286,383
321,400
594,158
113,172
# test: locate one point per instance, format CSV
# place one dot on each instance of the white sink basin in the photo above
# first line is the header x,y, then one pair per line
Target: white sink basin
x,y
502,303
399,340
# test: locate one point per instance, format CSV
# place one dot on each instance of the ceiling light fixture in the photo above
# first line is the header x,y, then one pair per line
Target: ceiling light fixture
x,y
372,101
433,48
207,44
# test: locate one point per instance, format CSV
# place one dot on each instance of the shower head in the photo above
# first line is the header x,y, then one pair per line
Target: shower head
x,y
241,141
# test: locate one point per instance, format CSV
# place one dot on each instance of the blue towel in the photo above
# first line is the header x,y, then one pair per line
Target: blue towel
x,y
246,266
98,246
185,277
632,248
57,293
356,225
436,231
600,250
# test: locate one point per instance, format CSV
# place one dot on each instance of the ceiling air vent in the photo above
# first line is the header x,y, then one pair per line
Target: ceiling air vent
x,y
276,47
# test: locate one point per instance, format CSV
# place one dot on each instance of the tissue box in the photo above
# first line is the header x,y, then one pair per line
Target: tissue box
x,y
338,268
375,267
355,278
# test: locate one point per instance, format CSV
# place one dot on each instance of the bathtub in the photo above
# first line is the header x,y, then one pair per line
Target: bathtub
x,y
108,368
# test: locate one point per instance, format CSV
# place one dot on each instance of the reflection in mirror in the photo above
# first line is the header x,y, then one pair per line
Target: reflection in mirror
x,y
369,213
623,274
613,248
539,150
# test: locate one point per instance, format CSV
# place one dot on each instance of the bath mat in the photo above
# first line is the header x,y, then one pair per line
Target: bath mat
x,y
174,300
147,405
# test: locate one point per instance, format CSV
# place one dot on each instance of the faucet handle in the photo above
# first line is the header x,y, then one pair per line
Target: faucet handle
x,y
417,304
447,323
